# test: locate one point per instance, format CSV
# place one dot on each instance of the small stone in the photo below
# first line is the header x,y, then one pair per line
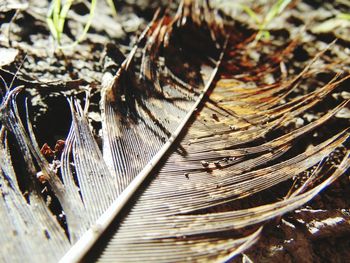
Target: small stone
x,y
232,128
59,146
46,151
204,163
345,95
299,122
41,177
343,113
7,56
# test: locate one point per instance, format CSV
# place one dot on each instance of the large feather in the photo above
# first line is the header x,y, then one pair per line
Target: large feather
x,y
180,153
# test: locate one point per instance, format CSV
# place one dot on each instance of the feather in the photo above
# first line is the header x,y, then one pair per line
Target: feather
x,y
187,145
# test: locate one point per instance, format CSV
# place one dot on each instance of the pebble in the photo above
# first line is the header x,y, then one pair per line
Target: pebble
x,y
204,163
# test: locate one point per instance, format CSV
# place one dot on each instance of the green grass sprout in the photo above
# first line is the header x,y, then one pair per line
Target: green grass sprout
x,y
57,15
345,16
275,10
262,24
56,18
112,6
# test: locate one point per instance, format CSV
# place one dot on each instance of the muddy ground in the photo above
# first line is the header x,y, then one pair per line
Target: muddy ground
x,y
29,56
